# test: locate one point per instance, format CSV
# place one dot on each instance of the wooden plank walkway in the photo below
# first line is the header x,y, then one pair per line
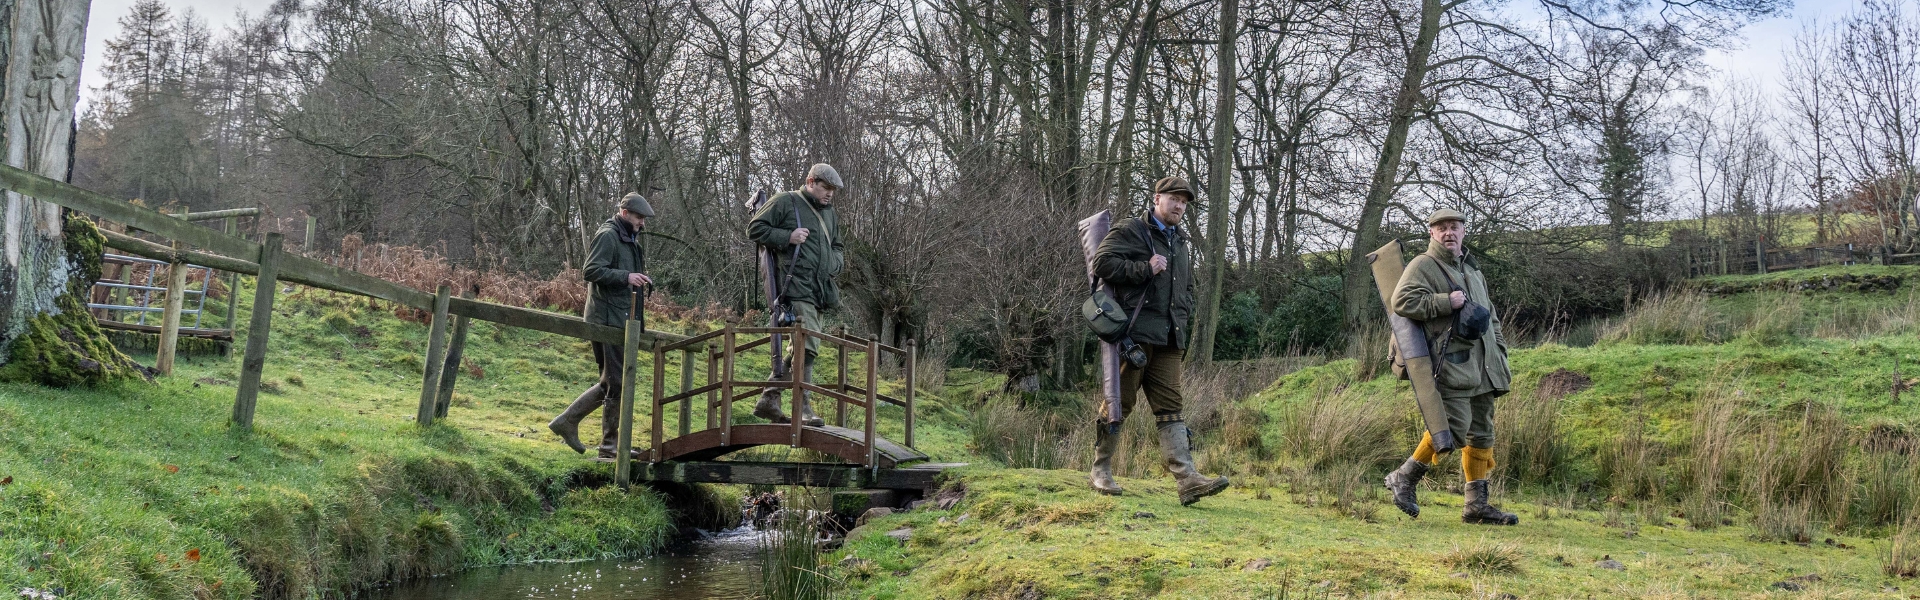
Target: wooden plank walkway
x,y
843,443
924,476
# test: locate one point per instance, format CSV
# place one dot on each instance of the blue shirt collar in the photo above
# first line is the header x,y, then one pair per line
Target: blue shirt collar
x,y
1154,219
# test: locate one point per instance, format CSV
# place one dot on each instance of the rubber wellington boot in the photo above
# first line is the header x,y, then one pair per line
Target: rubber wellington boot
x,y
567,425
807,417
1402,483
1104,446
610,431
769,407
1179,454
1479,512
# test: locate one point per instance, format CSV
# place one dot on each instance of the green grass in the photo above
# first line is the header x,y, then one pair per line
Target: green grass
x,y
114,492
1803,448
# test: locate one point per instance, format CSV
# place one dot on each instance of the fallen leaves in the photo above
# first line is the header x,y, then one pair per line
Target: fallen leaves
x,y
8,480
193,555
171,468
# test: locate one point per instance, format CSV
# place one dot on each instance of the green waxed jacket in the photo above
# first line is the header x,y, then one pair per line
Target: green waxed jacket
x,y
615,253
1470,367
821,256
1122,261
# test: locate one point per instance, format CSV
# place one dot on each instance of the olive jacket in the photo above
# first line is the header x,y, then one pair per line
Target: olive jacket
x,y
1122,259
821,256
1469,367
615,253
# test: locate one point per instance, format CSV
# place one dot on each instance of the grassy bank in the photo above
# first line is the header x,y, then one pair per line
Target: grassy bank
x,y
142,491
1732,445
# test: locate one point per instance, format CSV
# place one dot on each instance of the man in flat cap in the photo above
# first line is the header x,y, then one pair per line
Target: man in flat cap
x,y
1445,292
615,270
802,218
1148,264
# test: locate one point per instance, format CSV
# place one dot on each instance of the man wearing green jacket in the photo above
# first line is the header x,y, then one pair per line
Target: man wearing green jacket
x,y
803,218
1148,264
615,271
1444,290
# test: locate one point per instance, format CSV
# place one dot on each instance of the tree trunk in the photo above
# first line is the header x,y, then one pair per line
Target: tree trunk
x,y
50,261
1220,186
1355,285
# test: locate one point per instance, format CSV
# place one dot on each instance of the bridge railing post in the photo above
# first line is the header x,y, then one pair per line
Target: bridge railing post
x,y
912,359
713,376
659,391
726,387
840,359
686,385
873,399
796,371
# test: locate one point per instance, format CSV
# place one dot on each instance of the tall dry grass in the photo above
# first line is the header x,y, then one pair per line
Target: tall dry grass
x,y
1681,317
1019,438
1340,426
1719,424
1902,556
1527,436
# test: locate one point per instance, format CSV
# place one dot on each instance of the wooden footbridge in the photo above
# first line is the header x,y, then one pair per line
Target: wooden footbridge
x,y
853,457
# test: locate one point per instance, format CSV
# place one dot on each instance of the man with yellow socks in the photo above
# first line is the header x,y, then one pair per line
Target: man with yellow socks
x,y
1444,290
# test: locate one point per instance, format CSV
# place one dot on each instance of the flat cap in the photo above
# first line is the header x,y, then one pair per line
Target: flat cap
x,y
1444,215
824,172
635,203
1173,185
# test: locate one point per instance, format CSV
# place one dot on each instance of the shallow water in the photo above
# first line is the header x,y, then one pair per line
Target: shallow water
x,y
723,565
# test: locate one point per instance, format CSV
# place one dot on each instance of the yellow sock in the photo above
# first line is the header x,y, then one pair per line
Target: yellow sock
x,y
1425,453
1476,463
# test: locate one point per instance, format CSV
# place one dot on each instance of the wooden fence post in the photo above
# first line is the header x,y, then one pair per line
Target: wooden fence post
x,y
686,385
436,357
233,285
308,248
170,318
629,377
254,360
455,348
1760,255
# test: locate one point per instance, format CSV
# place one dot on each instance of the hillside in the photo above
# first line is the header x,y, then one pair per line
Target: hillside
x,y
1732,445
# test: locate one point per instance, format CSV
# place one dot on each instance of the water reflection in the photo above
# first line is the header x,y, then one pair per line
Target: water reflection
x,y
724,565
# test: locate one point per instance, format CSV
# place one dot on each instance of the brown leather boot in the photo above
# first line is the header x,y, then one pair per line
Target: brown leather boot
x,y
1403,481
1179,453
1479,512
567,425
1104,447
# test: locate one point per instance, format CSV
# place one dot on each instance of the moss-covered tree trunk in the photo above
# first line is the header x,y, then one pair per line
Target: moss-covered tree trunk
x,y
47,261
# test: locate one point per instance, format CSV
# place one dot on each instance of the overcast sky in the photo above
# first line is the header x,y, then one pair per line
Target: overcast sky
x,y
1758,60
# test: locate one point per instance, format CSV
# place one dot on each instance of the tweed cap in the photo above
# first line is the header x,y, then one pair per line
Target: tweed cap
x,y
1445,214
825,172
1173,185
635,203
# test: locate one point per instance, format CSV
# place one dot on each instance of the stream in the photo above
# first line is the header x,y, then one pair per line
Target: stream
x,y
721,565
